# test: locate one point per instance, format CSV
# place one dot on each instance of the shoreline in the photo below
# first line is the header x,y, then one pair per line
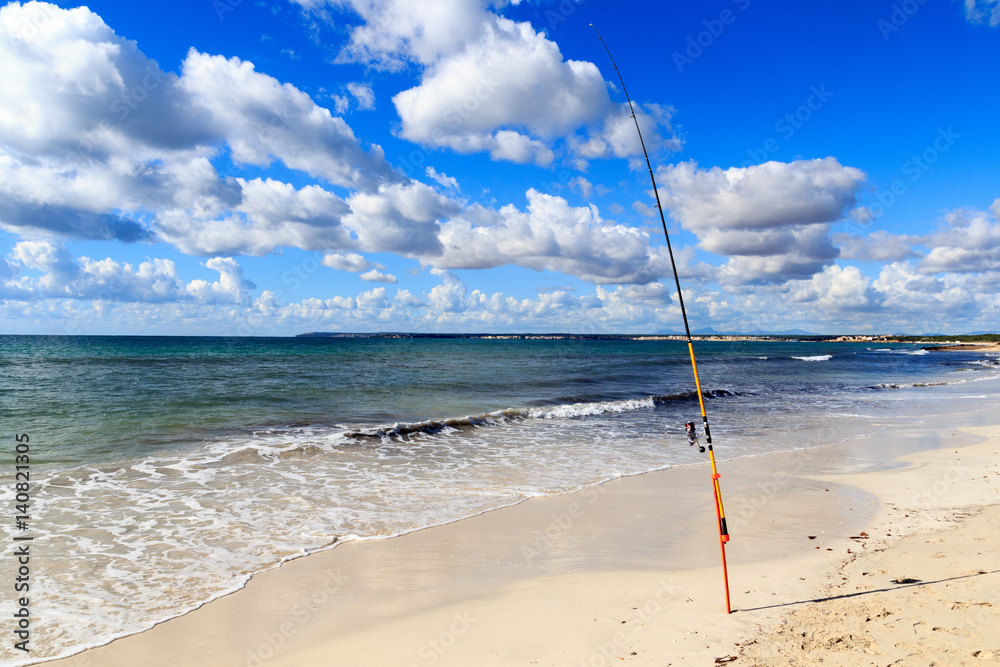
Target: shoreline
x,y
966,347
608,570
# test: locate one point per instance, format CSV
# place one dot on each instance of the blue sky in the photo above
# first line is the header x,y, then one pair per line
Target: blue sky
x,y
234,167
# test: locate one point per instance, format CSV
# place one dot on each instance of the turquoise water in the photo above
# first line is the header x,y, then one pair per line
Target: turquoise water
x,y
167,470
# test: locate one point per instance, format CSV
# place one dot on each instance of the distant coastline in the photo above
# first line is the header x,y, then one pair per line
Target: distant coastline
x,y
533,336
805,338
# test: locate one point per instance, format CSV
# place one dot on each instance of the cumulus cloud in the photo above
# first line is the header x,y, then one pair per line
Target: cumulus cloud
x,y
153,296
772,219
154,281
644,209
94,135
271,214
349,261
17,214
264,120
449,295
879,246
582,185
356,263
768,195
452,305
341,103
549,235
65,75
376,276
363,94
835,289
57,265
442,179
82,112
653,292
486,96
493,85
969,243
934,300
231,287
395,33
511,94
744,273
97,142
399,218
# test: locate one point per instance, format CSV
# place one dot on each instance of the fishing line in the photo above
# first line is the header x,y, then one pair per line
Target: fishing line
x,y
720,512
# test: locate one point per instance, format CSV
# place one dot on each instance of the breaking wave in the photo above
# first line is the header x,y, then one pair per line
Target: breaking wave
x,y
510,415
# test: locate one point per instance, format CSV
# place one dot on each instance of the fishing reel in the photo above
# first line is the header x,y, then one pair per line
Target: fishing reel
x,y
692,435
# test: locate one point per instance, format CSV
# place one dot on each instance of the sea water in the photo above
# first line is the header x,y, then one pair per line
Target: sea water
x,y
166,471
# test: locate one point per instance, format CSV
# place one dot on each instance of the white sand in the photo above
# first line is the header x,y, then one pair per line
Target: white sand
x,y
923,587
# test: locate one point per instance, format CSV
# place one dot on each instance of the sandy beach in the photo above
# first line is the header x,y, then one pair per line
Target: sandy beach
x,y
967,347
876,551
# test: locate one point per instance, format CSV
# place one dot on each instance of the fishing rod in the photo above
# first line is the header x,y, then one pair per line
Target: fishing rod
x,y
720,512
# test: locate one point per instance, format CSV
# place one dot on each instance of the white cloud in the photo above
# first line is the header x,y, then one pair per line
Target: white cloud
x,y
363,94
449,295
97,142
862,214
65,72
653,292
231,287
771,219
264,120
744,272
55,262
340,103
492,85
102,296
879,246
399,218
405,298
768,195
153,281
969,244
549,235
271,214
935,301
346,262
835,289
96,139
510,93
442,179
82,112
979,11
644,210
618,137
810,240
376,276
419,30
144,170
582,185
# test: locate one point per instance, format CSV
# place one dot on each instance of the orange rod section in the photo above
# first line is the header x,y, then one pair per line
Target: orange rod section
x,y
720,512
